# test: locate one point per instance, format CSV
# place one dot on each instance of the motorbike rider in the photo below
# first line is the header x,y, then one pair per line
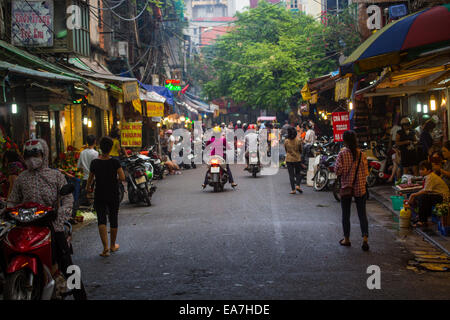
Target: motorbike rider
x,y
223,143
40,184
251,136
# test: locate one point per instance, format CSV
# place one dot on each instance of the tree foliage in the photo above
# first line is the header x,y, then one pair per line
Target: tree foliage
x,y
269,55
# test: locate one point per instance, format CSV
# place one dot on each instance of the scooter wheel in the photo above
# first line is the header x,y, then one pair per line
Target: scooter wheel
x,y
16,286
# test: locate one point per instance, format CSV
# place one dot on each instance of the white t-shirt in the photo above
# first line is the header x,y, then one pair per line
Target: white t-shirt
x,y
251,141
310,137
395,129
171,142
84,162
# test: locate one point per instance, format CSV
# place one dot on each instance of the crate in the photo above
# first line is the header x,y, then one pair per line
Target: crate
x,y
397,202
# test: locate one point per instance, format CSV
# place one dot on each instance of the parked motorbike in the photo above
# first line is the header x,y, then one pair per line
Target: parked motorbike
x,y
378,166
191,163
217,173
139,179
325,176
28,252
155,159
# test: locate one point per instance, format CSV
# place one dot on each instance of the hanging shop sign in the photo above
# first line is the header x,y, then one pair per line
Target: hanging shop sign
x,y
306,94
137,105
130,91
155,109
32,23
173,84
131,134
342,90
341,123
98,97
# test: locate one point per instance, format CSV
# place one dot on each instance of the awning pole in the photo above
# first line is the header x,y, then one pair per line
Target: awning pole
x,y
448,112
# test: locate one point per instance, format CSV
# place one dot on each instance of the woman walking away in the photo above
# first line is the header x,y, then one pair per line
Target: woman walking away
x,y
106,169
351,166
293,146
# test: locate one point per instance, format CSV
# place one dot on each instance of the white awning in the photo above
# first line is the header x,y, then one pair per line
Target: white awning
x,y
150,96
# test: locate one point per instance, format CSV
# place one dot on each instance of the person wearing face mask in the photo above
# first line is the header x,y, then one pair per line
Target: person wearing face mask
x,y
40,184
406,140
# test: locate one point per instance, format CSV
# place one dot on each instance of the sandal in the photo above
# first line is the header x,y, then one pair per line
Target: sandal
x,y
365,246
342,243
293,192
116,248
234,185
105,253
299,189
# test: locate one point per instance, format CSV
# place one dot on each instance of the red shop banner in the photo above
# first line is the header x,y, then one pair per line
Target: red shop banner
x,y
341,123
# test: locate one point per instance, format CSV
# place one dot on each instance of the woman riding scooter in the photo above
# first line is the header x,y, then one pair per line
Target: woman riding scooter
x,y
40,184
223,143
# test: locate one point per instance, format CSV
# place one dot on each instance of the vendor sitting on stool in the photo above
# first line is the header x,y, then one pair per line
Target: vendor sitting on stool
x,y
435,191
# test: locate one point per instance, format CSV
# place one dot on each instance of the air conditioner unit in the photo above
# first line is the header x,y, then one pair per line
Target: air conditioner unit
x,y
122,47
398,11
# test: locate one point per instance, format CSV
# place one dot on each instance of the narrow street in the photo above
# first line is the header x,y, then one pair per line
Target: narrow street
x,y
258,242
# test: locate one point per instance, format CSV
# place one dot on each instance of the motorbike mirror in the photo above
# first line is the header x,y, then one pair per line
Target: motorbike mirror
x,y
67,189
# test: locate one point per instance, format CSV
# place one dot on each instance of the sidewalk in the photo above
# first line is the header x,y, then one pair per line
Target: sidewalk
x,y
383,193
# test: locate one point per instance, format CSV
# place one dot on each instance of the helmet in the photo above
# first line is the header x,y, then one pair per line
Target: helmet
x,y
405,120
32,148
217,129
251,127
238,122
169,131
222,124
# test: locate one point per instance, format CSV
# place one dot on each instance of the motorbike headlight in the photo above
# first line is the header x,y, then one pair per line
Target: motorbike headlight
x,y
27,214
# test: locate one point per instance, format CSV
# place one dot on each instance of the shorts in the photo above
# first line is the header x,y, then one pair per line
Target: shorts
x,y
107,209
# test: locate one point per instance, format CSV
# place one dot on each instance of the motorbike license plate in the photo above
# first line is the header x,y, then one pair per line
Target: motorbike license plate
x,y
254,160
215,169
190,156
140,180
157,161
332,176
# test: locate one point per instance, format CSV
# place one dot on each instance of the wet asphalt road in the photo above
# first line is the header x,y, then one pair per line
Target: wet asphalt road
x,y
258,242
